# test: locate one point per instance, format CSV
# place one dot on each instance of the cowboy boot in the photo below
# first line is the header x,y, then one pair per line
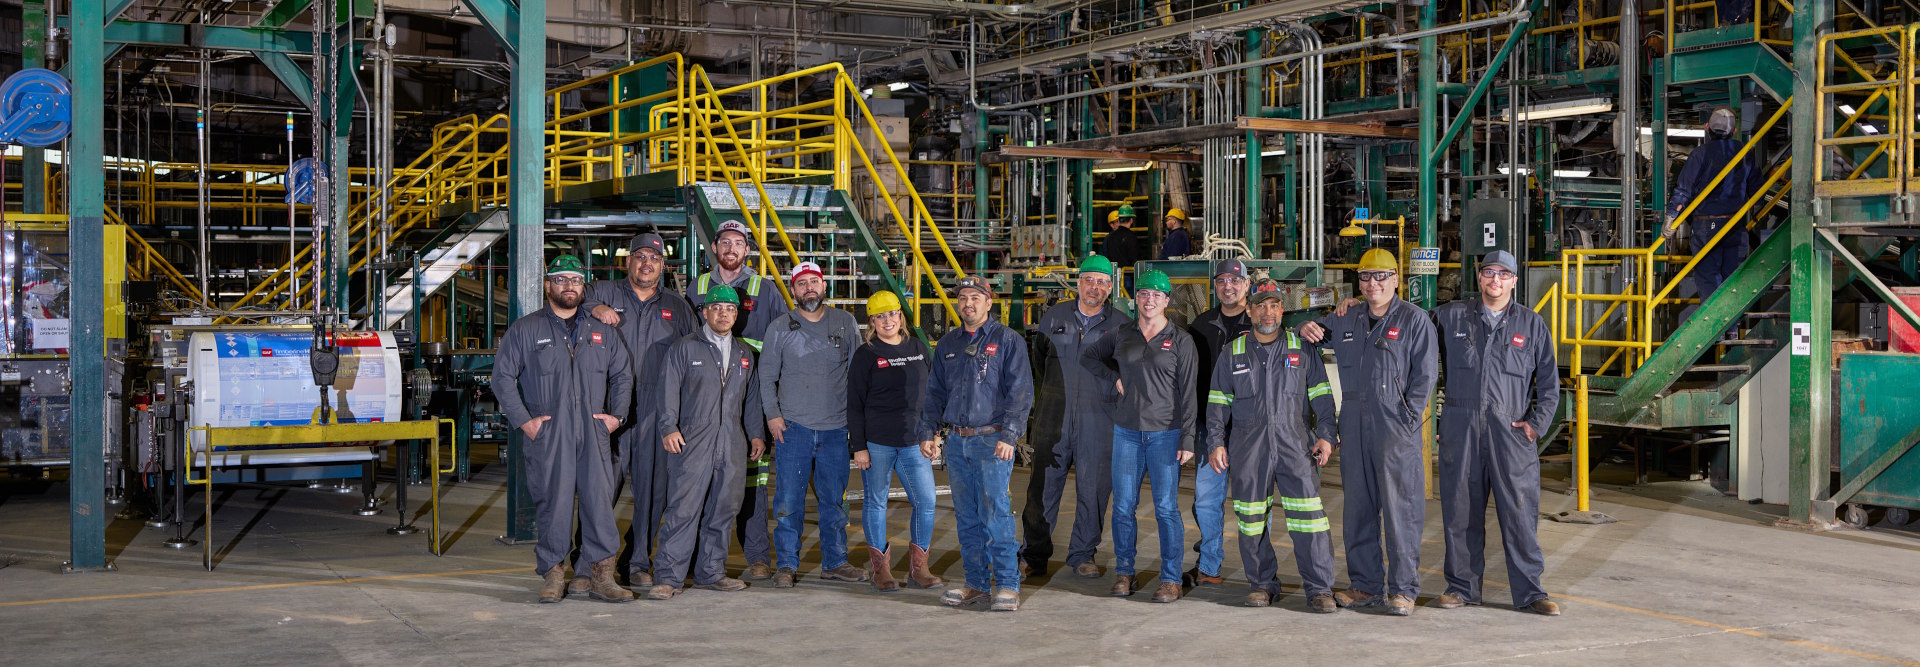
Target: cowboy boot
x,y
880,568
919,576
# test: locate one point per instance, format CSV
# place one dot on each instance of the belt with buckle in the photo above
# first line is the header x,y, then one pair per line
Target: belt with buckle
x,y
969,431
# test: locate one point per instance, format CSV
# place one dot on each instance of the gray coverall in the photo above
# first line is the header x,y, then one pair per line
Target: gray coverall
x,y
650,328
714,404
1263,395
1085,445
760,304
541,371
1495,377
1387,374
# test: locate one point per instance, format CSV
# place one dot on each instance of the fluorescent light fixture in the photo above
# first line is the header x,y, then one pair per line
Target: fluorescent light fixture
x,y
1121,166
1562,109
1572,173
1869,129
1508,170
1271,153
896,86
1846,109
1678,132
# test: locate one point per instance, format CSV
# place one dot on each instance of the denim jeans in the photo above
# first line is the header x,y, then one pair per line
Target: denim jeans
x,y
983,512
1209,503
822,457
1148,456
916,475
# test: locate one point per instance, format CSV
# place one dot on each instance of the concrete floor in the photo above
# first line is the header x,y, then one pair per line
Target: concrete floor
x,y
1687,576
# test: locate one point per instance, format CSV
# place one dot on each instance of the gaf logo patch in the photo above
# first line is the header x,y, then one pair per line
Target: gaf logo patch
x,y
1346,337
266,351
880,363
743,363
596,338
1293,361
1166,344
666,314
1393,333
992,348
1519,340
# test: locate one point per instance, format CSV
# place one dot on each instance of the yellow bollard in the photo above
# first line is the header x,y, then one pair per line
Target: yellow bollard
x,y
1581,469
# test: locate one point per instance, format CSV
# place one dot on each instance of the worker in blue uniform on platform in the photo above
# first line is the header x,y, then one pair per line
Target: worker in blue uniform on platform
x,y
1716,207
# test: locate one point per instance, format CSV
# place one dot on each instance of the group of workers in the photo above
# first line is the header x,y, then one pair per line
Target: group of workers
x,y
699,392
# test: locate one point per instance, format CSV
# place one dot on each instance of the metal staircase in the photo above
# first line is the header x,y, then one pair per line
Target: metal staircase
x,y
455,247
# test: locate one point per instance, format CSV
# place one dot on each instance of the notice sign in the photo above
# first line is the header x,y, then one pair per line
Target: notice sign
x,y
1424,262
50,334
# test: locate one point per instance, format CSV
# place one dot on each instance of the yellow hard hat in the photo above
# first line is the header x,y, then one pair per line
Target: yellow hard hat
x,y
1177,214
1113,217
881,303
1379,259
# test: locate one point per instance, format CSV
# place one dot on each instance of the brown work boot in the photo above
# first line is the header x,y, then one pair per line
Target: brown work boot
x,y
1258,599
1122,586
1449,601
1322,604
1196,578
963,596
759,571
918,576
846,572
580,585
783,578
1400,605
640,579
555,587
1087,570
1167,592
725,584
880,569
662,592
605,588
1543,607
1026,570
1005,599
1353,599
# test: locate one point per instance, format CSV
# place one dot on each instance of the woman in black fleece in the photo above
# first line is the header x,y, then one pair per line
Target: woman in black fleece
x,y
885,383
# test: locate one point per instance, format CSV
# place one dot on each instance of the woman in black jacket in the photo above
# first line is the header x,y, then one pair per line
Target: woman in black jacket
x,y
885,384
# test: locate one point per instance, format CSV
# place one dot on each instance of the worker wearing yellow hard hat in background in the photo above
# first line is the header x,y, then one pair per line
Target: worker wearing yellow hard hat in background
x,y
1389,360
1174,241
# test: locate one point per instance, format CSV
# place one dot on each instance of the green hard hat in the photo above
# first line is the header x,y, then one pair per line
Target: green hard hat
x,y
566,264
1096,264
1126,210
723,294
1153,280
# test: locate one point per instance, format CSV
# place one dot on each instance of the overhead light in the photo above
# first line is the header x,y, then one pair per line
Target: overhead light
x,y
1869,129
1507,170
896,86
1848,110
1121,166
1561,109
1271,153
1680,132
1572,173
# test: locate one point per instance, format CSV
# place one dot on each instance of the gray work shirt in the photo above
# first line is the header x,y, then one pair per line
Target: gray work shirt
x,y
803,368
1158,374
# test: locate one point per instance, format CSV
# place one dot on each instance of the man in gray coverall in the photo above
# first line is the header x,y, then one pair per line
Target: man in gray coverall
x,y
650,319
1389,359
760,304
1264,383
710,413
565,381
1502,388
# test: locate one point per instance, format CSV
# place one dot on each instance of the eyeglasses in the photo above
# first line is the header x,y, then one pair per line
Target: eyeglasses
x,y
565,281
1495,272
1375,276
647,258
1150,295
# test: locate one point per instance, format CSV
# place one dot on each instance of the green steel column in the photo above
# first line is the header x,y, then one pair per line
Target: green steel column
x,y
86,206
1659,174
1252,106
526,200
33,170
1083,183
1810,275
1289,242
982,188
340,156
1421,288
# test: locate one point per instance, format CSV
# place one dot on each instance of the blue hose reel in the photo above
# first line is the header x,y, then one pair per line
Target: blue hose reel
x,y
36,108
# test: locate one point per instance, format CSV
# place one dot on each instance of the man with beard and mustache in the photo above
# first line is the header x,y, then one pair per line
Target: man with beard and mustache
x,y
803,389
566,382
1085,447
650,319
1503,386
979,393
1271,391
1389,359
710,413
760,304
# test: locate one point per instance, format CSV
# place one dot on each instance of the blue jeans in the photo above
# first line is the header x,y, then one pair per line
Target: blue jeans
x,y
821,456
916,475
983,510
1149,456
1209,503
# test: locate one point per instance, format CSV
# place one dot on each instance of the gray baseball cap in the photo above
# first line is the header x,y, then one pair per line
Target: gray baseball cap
x,y
648,240
1232,267
1501,258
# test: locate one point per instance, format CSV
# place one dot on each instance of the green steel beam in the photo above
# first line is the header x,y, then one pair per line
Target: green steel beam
x,y
1754,61
526,197
283,13
1708,323
1810,296
33,181
502,18
86,207
1253,94
114,9
1861,271
1422,288
155,33
289,73
1460,122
